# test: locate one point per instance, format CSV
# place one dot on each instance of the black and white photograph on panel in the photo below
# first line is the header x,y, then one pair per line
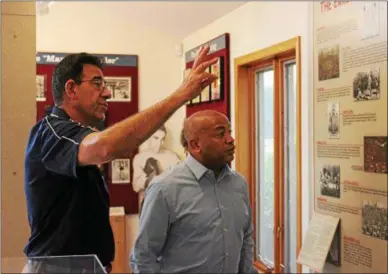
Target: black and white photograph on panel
x,y
120,88
120,171
366,85
333,113
374,219
40,88
330,181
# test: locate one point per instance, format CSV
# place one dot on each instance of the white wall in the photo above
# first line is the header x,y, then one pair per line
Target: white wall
x,y
95,27
257,25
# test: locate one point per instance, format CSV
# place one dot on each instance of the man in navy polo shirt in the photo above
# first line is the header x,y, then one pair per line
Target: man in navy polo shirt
x,y
67,199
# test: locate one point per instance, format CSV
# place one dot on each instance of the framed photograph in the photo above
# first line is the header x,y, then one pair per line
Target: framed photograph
x,y
205,94
333,113
375,154
121,171
120,88
40,88
374,219
366,85
329,63
216,90
334,255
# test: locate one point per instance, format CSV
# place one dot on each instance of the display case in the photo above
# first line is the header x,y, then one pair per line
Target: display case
x,y
52,264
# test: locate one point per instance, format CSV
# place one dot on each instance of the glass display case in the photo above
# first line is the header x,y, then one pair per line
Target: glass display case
x,y
52,264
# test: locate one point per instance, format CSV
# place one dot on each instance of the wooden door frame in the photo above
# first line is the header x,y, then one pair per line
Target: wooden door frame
x,y
245,125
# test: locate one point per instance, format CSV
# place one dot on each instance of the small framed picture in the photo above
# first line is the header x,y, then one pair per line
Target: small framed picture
x,y
217,86
196,100
121,173
120,88
40,88
205,94
185,74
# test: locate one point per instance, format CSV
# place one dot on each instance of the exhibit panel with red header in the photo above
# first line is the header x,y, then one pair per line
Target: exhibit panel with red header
x,y
121,76
217,95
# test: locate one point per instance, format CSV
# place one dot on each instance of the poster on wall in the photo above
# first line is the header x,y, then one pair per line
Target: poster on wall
x,y
350,130
120,171
120,88
156,157
40,88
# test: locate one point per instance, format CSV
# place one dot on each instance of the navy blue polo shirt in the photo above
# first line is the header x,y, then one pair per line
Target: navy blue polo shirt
x,y
67,204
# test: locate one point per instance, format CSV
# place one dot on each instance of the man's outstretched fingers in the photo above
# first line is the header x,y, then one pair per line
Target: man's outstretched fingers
x,y
201,56
202,67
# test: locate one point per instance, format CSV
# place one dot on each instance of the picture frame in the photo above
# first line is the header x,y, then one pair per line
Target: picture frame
x,y
120,88
205,94
217,87
121,171
41,88
196,100
185,74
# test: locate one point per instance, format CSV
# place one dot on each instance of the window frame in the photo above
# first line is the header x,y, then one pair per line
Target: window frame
x,y
245,116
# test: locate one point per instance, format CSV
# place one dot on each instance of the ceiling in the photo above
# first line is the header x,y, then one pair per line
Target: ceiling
x,y
178,18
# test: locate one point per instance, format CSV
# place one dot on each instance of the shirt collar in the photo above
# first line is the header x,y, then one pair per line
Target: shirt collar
x,y
62,114
199,169
59,112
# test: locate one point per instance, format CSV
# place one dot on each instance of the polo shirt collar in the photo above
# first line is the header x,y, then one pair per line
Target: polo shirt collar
x,y
60,112
199,169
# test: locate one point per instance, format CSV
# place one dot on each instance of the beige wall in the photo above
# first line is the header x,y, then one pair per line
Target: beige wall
x,y
18,114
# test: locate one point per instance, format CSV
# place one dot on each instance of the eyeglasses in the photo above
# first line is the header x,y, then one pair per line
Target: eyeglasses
x,y
98,82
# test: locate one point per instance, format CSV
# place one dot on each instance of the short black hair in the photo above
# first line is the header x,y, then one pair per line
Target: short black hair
x,y
71,67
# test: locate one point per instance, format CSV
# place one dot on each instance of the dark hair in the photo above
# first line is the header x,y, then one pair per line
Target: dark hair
x,y
71,67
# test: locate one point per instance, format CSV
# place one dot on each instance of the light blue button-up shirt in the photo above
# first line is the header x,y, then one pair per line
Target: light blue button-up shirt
x,y
192,222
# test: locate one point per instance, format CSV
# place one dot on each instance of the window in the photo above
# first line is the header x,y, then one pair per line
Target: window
x,y
265,164
268,151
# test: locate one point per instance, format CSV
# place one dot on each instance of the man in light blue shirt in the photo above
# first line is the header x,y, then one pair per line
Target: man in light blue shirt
x,y
196,218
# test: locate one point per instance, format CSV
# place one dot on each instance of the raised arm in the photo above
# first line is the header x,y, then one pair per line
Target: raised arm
x,y
125,136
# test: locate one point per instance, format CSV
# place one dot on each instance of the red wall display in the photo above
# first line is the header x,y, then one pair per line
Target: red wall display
x,y
217,96
121,74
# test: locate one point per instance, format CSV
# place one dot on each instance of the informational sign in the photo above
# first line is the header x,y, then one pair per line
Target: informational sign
x,y
350,129
318,240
